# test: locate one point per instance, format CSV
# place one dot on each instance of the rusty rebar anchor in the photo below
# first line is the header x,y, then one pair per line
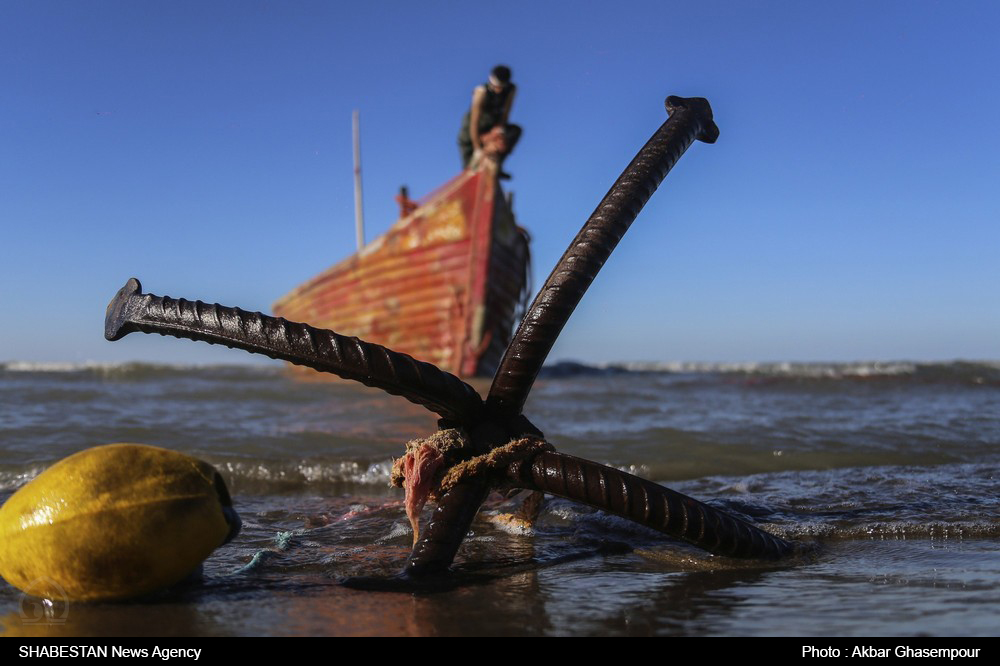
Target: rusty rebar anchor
x,y
499,419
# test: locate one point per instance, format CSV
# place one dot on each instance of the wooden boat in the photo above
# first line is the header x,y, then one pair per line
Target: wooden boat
x,y
445,284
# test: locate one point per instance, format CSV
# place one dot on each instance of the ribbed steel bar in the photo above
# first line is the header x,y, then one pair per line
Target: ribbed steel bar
x,y
690,119
449,523
320,349
649,504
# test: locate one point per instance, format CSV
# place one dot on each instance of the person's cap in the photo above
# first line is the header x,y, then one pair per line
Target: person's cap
x,y
500,76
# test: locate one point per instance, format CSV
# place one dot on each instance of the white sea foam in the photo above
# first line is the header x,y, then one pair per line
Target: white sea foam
x,y
51,366
311,472
396,531
784,368
116,368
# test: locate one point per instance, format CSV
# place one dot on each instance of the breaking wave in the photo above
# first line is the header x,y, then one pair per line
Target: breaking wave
x,y
974,372
137,370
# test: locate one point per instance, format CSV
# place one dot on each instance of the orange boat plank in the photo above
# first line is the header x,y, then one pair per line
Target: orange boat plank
x,y
386,261
442,284
394,297
391,283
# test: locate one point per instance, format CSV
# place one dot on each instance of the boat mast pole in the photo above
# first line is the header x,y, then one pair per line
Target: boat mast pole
x,y
359,216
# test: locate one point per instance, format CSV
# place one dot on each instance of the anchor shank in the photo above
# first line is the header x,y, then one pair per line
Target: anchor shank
x,y
690,119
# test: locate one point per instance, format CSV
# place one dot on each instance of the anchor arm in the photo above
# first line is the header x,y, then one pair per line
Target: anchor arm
x,y
450,522
648,504
690,119
373,365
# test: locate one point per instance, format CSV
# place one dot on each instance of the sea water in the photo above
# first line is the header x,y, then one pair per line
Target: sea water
x,y
891,469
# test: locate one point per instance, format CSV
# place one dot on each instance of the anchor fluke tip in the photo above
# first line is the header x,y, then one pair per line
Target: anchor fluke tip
x,y
700,107
116,318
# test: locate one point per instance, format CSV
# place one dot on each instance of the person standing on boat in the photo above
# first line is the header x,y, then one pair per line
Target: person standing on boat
x,y
485,130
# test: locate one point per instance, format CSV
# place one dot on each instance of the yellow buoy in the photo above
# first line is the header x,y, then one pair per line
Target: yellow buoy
x,y
113,522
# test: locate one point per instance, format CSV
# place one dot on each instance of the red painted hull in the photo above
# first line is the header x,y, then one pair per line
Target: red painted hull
x,y
443,285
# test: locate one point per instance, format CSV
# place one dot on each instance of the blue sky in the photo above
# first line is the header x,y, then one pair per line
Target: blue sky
x,y
849,210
